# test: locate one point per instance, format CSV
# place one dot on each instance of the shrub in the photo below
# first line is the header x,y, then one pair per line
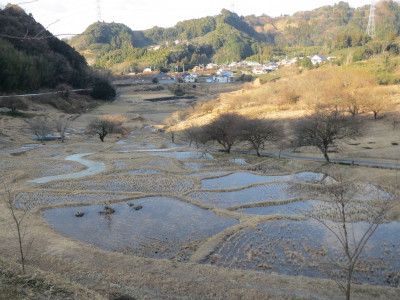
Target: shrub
x,y
102,89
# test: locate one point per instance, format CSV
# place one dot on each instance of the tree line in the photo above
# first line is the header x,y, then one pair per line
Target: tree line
x,y
322,129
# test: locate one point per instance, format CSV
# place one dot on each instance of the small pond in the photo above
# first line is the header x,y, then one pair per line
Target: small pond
x,y
163,227
307,248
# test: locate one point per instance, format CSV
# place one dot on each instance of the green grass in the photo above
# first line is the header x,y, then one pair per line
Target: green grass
x,y
16,114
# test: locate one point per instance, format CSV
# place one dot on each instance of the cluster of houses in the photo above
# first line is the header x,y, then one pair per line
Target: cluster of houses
x,y
225,73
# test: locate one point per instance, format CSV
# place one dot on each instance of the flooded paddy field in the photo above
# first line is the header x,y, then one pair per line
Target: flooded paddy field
x,y
160,200
162,227
309,249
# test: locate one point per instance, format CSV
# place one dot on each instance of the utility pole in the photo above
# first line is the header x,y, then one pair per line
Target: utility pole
x,y
98,11
371,22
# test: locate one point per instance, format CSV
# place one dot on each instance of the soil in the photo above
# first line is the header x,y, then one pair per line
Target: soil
x,y
81,271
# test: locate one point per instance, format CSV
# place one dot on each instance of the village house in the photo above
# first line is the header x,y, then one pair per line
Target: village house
x,y
259,70
318,59
224,78
224,71
252,63
211,66
271,67
191,78
164,78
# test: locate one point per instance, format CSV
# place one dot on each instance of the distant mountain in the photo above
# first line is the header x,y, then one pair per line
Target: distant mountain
x,y
223,38
228,37
31,58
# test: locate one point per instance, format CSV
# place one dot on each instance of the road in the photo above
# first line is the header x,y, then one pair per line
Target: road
x,y
347,161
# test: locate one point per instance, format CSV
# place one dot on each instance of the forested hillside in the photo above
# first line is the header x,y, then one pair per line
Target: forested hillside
x,y
228,37
31,58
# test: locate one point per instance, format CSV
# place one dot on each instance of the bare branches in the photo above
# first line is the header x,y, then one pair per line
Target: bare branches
x,y
324,128
18,218
61,127
225,130
340,216
104,125
257,132
40,128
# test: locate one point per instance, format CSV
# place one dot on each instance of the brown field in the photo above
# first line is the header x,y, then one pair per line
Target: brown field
x,y
63,268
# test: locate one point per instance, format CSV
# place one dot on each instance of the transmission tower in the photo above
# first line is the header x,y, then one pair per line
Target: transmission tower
x,y
98,11
371,22
233,6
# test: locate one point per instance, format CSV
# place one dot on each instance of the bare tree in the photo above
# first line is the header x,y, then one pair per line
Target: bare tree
x,y
257,132
14,103
197,135
101,126
376,101
61,126
20,228
41,128
339,217
104,125
173,120
225,130
324,128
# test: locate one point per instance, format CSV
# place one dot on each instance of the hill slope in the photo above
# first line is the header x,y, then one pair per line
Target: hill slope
x,y
228,37
32,58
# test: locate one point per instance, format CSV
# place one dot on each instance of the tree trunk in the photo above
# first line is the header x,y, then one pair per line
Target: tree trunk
x,y
348,284
21,249
326,155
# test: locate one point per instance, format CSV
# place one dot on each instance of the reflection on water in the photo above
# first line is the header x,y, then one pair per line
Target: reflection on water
x,y
161,228
93,168
267,192
295,208
184,155
309,249
242,179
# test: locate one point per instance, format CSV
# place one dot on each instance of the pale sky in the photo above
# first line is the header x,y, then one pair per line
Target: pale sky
x,y
74,16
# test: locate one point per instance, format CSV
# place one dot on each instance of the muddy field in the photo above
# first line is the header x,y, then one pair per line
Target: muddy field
x,y
185,223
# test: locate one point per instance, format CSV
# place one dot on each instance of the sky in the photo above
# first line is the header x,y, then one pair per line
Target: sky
x,y
74,16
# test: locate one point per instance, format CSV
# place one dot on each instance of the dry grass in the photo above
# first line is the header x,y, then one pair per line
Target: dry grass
x,y
86,272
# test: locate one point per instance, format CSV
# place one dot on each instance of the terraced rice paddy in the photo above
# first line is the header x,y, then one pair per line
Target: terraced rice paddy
x,y
163,227
260,193
185,198
307,248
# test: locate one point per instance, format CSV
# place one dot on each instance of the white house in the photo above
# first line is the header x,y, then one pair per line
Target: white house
x,y
318,59
253,63
271,67
189,79
211,66
224,78
260,70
